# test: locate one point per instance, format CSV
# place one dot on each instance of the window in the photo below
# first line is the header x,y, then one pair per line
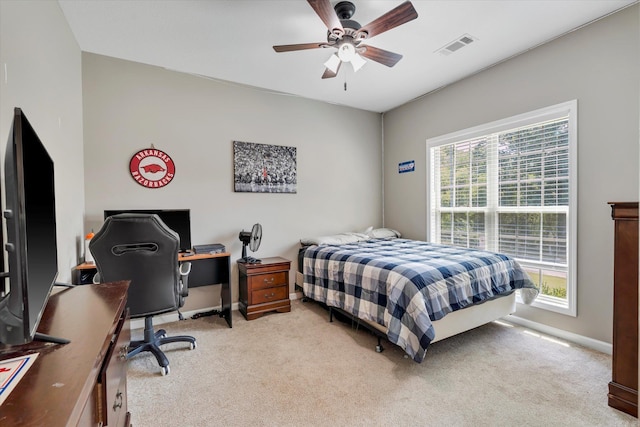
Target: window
x,y
510,186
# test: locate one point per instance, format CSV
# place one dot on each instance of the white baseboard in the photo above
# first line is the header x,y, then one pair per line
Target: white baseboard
x,y
173,316
600,346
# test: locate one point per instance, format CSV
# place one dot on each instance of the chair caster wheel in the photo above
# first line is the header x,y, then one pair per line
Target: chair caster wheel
x,y
165,370
193,345
379,349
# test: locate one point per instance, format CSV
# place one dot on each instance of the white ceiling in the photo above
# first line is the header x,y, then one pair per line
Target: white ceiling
x,y
231,40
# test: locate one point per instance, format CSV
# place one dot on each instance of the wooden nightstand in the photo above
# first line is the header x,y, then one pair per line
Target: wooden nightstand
x,y
264,287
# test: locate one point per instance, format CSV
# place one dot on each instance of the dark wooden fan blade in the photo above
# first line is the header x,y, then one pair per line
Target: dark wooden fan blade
x,y
330,74
328,15
395,17
380,55
301,46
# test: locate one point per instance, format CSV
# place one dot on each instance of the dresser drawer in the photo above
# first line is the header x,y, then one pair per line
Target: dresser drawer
x,y
269,294
268,280
112,385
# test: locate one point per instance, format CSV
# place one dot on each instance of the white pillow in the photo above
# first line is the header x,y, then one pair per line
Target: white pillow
x,y
383,233
335,239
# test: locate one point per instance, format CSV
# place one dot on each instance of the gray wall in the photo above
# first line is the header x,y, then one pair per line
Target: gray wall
x,y
40,72
129,106
599,66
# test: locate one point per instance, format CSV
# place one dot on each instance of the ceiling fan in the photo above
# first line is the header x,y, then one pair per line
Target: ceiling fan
x,y
348,36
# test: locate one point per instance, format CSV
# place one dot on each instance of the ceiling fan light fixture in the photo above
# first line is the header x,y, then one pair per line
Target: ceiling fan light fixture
x,y
346,52
357,62
333,63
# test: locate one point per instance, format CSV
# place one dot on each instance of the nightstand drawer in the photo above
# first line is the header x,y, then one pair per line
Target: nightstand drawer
x,y
268,280
269,294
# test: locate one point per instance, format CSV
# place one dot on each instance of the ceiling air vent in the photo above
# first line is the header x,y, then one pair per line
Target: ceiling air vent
x,y
457,44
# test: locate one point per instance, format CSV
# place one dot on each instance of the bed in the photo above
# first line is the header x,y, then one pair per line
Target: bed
x,y
413,292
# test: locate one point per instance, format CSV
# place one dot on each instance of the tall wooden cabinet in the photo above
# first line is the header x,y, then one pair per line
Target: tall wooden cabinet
x,y
623,387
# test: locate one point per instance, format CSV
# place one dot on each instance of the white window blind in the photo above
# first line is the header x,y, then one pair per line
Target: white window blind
x,y
509,187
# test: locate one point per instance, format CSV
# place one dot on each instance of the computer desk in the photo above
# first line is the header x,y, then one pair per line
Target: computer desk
x,y
206,269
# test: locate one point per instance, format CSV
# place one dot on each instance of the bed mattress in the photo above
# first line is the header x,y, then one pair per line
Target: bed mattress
x,y
405,285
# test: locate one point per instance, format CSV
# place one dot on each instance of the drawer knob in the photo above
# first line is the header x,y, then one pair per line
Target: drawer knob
x,y
270,296
118,402
122,354
269,280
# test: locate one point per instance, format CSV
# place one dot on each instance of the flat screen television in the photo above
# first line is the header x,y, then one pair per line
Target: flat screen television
x,y
31,246
179,220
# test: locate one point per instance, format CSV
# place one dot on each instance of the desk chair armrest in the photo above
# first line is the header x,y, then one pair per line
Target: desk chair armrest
x,y
185,269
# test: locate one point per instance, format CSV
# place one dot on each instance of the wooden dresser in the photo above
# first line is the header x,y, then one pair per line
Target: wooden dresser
x,y
84,382
264,287
623,387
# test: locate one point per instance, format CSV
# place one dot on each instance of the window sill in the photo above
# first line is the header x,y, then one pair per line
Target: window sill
x,y
549,303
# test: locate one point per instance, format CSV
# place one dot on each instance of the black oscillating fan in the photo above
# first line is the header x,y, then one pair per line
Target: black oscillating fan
x,y
252,239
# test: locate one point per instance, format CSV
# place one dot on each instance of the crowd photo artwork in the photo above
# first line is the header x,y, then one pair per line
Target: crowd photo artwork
x,y
264,168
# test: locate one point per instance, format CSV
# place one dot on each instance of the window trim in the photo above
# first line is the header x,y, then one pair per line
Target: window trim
x,y
568,109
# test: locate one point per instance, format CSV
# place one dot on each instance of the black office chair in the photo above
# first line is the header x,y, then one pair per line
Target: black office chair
x,y
142,249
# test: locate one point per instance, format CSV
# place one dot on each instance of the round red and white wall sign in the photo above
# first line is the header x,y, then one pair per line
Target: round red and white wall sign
x,y
152,168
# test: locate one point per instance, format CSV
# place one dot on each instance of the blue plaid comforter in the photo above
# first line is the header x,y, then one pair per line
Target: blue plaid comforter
x,y
404,284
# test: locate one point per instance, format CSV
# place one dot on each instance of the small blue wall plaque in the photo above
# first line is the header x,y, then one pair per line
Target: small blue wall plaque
x,y
408,166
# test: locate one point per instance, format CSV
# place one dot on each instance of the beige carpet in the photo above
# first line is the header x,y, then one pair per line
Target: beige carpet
x,y
297,369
